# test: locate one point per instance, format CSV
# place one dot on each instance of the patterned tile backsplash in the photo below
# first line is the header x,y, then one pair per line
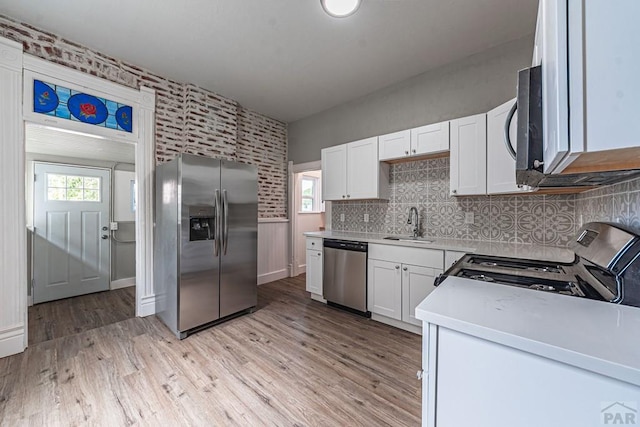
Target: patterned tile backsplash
x,y
615,203
548,219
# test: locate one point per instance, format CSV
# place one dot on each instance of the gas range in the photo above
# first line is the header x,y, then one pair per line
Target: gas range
x,y
606,267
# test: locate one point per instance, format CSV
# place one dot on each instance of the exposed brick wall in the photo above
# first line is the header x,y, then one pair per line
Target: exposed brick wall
x,y
188,118
259,143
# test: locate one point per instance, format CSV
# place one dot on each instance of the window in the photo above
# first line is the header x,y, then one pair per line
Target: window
x,y
310,201
73,188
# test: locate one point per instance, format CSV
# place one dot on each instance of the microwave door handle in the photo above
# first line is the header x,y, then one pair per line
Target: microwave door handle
x,y
507,125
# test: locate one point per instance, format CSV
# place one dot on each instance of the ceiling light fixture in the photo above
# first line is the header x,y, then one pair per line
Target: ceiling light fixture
x,y
340,8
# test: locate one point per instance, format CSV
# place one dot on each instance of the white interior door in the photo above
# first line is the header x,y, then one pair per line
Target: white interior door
x,y
71,219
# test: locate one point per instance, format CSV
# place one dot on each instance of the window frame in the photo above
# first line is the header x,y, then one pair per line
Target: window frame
x,y
317,205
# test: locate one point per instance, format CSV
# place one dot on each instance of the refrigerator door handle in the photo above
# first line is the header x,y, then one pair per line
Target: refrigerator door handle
x,y
225,208
217,224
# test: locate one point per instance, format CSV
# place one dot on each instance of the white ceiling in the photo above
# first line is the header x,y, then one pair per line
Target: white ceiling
x,y
284,58
45,140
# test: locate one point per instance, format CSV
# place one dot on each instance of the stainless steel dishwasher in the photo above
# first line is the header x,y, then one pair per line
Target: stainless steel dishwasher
x,y
344,278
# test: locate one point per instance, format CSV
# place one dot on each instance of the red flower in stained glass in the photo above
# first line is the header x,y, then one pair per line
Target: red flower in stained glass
x,y
87,110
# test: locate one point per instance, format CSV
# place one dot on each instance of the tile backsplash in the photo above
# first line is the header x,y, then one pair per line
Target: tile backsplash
x,y
547,219
615,203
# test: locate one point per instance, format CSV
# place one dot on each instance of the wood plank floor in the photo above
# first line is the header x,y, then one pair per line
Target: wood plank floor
x,y
70,316
292,362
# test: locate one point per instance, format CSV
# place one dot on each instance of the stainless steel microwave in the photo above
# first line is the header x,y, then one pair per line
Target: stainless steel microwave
x,y
529,150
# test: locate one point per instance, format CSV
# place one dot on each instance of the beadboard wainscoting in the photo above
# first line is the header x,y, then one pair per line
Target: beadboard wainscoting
x,y
273,252
535,219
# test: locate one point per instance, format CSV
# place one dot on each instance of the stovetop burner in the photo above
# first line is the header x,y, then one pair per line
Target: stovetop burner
x,y
516,264
536,283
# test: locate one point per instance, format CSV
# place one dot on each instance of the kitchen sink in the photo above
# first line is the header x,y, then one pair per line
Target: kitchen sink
x,y
409,239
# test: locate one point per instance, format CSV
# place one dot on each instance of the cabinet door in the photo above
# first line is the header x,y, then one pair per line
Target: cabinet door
x,y
334,173
501,167
314,271
417,283
394,145
468,161
430,139
363,169
384,288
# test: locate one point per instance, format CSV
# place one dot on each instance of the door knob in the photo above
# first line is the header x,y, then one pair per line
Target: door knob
x,y
104,237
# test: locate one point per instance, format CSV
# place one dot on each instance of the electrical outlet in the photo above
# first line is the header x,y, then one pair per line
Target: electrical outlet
x,y
366,217
341,217
113,226
468,218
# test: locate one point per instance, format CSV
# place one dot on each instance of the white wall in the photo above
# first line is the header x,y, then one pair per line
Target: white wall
x,y
470,86
273,250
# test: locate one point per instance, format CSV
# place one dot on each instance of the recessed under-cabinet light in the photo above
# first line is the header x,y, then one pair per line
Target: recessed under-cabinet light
x,y
340,8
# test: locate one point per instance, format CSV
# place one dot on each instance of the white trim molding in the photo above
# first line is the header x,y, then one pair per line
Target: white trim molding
x,y
13,263
122,283
13,238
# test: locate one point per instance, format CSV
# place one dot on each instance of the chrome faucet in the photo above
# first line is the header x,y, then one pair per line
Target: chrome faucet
x,y
414,219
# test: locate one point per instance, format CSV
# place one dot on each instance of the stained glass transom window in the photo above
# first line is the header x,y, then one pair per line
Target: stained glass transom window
x,y
65,103
73,188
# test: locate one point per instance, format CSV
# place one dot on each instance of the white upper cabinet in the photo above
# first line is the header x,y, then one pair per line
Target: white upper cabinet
x,y
334,172
352,171
395,145
429,139
589,56
501,167
468,162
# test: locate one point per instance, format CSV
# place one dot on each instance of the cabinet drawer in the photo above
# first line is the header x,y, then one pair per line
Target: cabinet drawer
x,y
314,243
433,258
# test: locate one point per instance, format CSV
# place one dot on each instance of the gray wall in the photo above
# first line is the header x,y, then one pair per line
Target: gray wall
x,y
123,255
470,86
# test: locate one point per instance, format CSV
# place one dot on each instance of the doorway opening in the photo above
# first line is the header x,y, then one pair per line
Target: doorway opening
x,y
80,192
307,210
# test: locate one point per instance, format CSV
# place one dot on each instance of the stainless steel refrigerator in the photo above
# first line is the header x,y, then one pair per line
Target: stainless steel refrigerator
x,y
205,241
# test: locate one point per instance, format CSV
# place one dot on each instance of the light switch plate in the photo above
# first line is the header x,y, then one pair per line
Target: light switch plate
x,y
468,218
341,217
366,217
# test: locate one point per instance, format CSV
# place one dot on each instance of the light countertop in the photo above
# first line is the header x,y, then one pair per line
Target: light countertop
x,y
592,335
528,251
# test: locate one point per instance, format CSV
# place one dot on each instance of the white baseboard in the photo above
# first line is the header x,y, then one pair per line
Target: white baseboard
x,y
12,341
318,298
397,323
147,306
123,283
272,276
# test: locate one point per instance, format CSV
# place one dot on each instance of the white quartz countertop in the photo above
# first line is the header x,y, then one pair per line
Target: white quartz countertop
x,y
592,335
527,251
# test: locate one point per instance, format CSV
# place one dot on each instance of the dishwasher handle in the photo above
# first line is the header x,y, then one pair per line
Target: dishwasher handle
x,y
346,245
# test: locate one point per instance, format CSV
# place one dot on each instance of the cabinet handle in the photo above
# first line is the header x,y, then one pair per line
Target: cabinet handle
x,y
343,196
404,268
413,151
348,196
313,243
397,267
454,191
319,254
406,152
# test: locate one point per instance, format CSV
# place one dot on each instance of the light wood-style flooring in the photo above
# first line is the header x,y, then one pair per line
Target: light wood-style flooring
x,y
293,362
70,316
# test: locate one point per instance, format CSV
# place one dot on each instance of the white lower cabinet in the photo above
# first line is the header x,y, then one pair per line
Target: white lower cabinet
x,y
502,386
314,271
417,283
397,284
385,288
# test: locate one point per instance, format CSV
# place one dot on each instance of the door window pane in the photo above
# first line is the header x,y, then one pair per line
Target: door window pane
x,y
73,188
